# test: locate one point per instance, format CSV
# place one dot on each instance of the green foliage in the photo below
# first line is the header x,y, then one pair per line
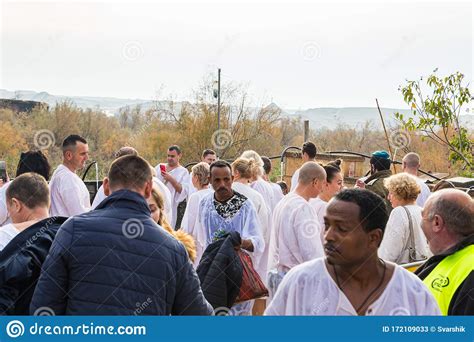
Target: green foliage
x,y
436,104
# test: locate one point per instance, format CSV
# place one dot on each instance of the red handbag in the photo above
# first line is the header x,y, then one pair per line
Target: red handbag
x,y
252,286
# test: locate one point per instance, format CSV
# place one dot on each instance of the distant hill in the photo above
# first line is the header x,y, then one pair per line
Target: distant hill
x,y
318,117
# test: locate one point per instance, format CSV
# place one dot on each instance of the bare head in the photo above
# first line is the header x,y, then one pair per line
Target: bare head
x,y
447,218
250,154
311,180
411,162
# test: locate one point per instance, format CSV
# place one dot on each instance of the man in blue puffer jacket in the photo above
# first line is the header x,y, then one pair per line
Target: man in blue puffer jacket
x,y
116,261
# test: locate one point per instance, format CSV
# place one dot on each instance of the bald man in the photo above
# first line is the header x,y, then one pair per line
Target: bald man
x,y
411,165
448,223
296,236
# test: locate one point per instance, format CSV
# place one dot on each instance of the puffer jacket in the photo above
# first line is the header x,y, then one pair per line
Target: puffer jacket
x,y
116,260
220,271
20,265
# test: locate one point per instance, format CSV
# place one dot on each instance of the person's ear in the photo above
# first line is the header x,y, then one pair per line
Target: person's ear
x,y
375,237
148,188
106,185
15,206
438,223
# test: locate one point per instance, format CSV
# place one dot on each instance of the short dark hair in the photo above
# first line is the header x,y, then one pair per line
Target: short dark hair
x,y
129,172
372,209
33,161
31,189
267,165
126,151
207,152
175,148
283,185
310,149
220,163
72,140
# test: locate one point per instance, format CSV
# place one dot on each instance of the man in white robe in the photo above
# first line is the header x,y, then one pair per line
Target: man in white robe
x,y
352,279
177,180
277,192
69,194
308,154
411,165
225,211
296,235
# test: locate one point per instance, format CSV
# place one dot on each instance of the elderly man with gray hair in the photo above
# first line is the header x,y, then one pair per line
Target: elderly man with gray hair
x,y
411,165
448,223
296,234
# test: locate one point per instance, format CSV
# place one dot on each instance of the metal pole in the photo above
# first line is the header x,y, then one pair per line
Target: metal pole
x,y
392,156
218,98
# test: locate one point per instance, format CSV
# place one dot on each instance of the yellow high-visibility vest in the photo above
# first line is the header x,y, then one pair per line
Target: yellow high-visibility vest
x,y
448,275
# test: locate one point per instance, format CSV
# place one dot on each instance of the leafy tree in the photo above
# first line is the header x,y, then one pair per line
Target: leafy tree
x,y
436,105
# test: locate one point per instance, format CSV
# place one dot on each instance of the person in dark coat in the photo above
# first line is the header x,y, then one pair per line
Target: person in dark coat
x,y
31,235
116,260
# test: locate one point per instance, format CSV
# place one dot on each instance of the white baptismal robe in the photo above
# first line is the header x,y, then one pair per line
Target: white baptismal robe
x,y
264,218
69,194
181,175
296,234
191,218
309,290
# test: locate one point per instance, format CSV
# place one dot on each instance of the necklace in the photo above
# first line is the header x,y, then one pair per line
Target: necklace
x,y
372,292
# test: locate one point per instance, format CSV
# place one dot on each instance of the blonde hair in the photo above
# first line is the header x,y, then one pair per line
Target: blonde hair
x,y
404,186
258,170
186,239
245,167
201,170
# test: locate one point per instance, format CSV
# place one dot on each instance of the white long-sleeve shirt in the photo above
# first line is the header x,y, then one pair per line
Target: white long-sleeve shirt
x,y
294,180
397,233
424,194
296,234
182,177
309,290
191,218
69,194
265,219
4,216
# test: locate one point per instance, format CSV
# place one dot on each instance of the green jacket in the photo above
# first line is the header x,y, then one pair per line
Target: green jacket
x,y
375,184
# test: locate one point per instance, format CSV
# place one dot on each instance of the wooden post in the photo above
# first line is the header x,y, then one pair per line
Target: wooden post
x,y
306,131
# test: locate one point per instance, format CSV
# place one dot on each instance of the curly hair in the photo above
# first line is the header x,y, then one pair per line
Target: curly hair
x,y
404,186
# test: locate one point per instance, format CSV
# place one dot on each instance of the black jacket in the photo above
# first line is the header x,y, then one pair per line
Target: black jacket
x,y
220,271
462,302
116,260
20,265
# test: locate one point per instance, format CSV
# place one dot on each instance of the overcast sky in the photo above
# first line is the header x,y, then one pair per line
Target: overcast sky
x,y
298,55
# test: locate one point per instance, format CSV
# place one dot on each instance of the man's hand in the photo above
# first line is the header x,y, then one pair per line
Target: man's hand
x,y
247,245
360,184
169,178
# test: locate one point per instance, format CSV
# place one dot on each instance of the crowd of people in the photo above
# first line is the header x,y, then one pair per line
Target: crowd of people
x,y
165,241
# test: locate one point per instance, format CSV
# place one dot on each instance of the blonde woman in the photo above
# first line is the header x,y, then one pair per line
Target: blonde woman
x,y
157,208
243,170
200,178
403,240
257,182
